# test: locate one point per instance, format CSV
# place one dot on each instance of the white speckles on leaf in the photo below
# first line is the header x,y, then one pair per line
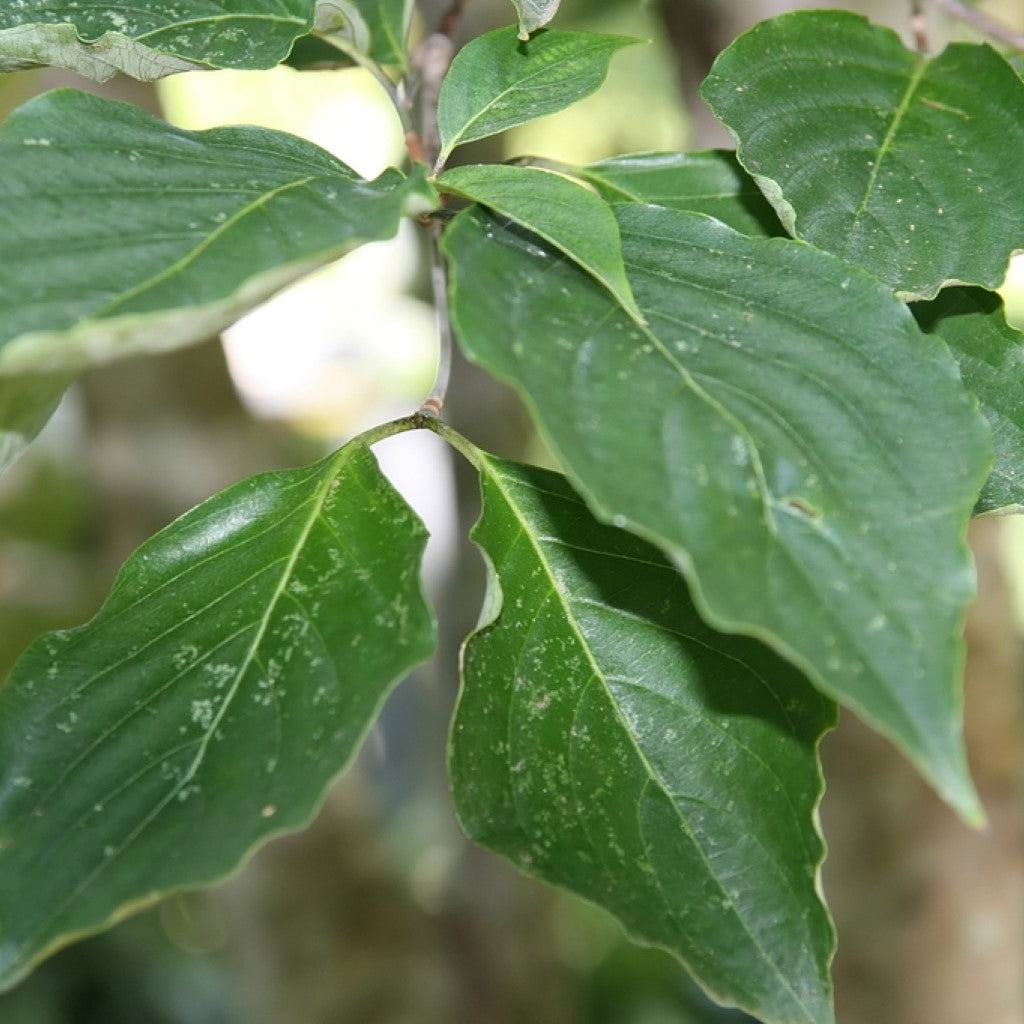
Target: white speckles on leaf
x,y
202,712
206,672
876,624
184,656
68,725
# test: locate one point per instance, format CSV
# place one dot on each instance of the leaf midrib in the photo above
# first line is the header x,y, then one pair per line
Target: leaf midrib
x,y
215,19
884,149
519,84
653,776
182,264
331,471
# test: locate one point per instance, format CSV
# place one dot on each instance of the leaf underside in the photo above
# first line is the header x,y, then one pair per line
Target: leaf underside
x,y
608,741
773,431
135,236
26,403
148,41
230,676
894,163
534,14
972,323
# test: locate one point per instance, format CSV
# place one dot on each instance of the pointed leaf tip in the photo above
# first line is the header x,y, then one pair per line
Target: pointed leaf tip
x,y
608,742
498,81
780,445
560,210
26,403
230,676
185,231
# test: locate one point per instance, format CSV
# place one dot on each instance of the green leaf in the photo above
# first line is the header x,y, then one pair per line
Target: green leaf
x,y
374,28
231,675
534,14
148,41
806,456
991,356
135,236
711,182
26,403
561,211
896,163
608,741
388,25
313,53
497,82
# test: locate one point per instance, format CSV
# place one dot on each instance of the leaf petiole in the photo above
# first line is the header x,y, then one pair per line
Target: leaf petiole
x,y
422,420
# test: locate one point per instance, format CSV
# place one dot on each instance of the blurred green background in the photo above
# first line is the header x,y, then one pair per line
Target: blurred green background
x,y
381,913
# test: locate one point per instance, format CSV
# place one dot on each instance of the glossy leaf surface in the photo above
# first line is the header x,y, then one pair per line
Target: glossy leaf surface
x,y
897,164
560,210
711,182
157,38
783,430
230,676
534,14
26,403
135,236
972,323
498,81
608,741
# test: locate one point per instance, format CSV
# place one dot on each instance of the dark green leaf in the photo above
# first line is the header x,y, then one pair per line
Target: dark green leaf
x,y
313,52
562,211
135,236
991,355
783,430
711,182
497,81
534,14
26,403
608,741
154,39
230,676
899,164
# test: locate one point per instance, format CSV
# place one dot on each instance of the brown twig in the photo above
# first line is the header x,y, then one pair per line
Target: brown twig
x,y
449,24
431,60
919,26
982,22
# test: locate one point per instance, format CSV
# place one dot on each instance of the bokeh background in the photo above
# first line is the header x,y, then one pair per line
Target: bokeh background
x,y
381,913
